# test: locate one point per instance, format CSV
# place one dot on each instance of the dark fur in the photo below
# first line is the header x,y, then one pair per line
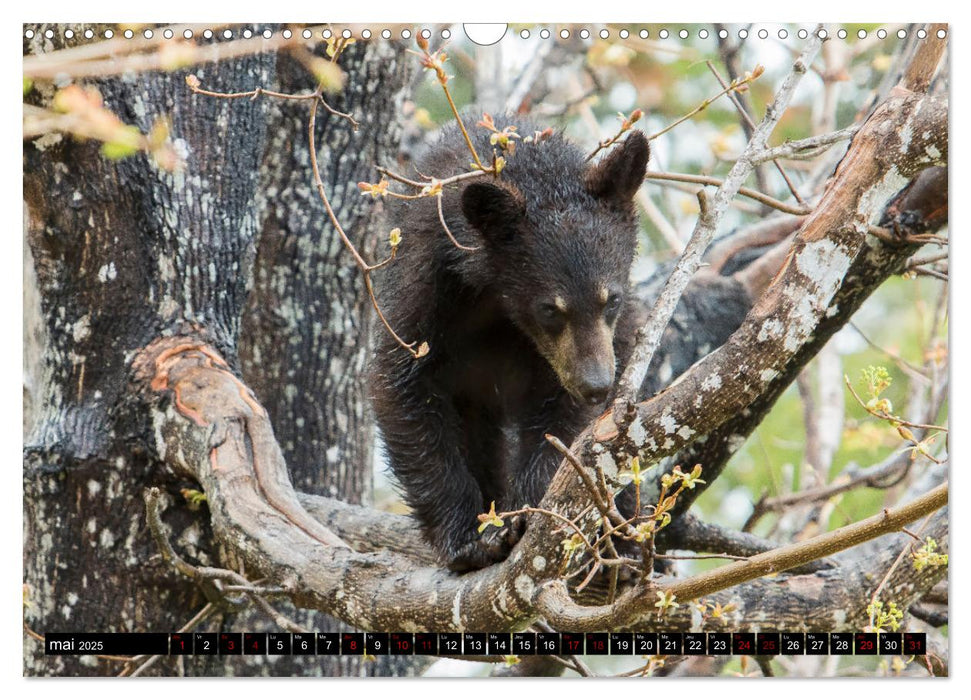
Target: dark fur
x,y
465,425
710,310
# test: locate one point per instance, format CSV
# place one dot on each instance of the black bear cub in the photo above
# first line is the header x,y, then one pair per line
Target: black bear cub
x,y
526,332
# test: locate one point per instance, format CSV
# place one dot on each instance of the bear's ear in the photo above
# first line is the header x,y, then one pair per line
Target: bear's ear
x,y
620,174
495,211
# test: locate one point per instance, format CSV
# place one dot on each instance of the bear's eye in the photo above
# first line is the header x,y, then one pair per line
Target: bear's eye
x,y
612,306
550,316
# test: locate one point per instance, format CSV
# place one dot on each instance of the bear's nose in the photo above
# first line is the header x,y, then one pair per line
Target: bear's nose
x,y
595,385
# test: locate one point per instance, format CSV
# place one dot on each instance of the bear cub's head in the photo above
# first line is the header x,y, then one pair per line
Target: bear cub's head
x,y
560,234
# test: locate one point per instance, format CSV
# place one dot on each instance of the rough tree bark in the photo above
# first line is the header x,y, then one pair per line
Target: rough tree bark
x,y
158,296
831,267
237,249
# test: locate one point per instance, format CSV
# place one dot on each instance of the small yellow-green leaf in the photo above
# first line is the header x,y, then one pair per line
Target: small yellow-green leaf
x,y
328,74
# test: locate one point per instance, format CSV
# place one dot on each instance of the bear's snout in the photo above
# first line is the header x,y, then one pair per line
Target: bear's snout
x,y
594,383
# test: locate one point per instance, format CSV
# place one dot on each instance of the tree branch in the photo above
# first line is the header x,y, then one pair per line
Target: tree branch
x,y
210,428
649,336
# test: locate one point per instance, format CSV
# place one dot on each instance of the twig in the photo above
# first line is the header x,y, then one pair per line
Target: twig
x,y
361,263
789,556
926,260
727,89
595,493
258,590
315,99
252,94
745,115
805,149
582,668
555,516
626,125
910,369
444,182
448,232
928,272
434,61
65,62
199,573
888,417
663,226
888,236
896,562
700,556
886,475
649,336
197,619
744,191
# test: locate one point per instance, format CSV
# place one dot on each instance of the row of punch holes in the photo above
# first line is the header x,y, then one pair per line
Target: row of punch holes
x,y
406,33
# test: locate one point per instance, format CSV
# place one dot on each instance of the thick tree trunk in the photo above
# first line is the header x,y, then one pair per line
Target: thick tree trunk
x,y
237,250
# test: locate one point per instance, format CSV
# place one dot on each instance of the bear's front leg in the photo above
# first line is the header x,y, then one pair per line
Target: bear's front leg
x,y
537,459
426,444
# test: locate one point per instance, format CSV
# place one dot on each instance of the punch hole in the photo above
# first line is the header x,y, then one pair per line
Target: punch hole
x,y
783,34
168,34
941,33
446,34
129,33
485,34
921,34
624,33
68,33
901,33
306,34
287,34
763,34
267,34
247,33
544,34
385,33
881,34
365,33
346,34
604,33
643,34
861,34
327,34
29,34
425,34
109,33
802,33
88,34
743,33
822,34
49,33
207,34
564,33
524,34
703,34
841,33
683,34
405,33
663,34
148,34
228,34
584,34
722,33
